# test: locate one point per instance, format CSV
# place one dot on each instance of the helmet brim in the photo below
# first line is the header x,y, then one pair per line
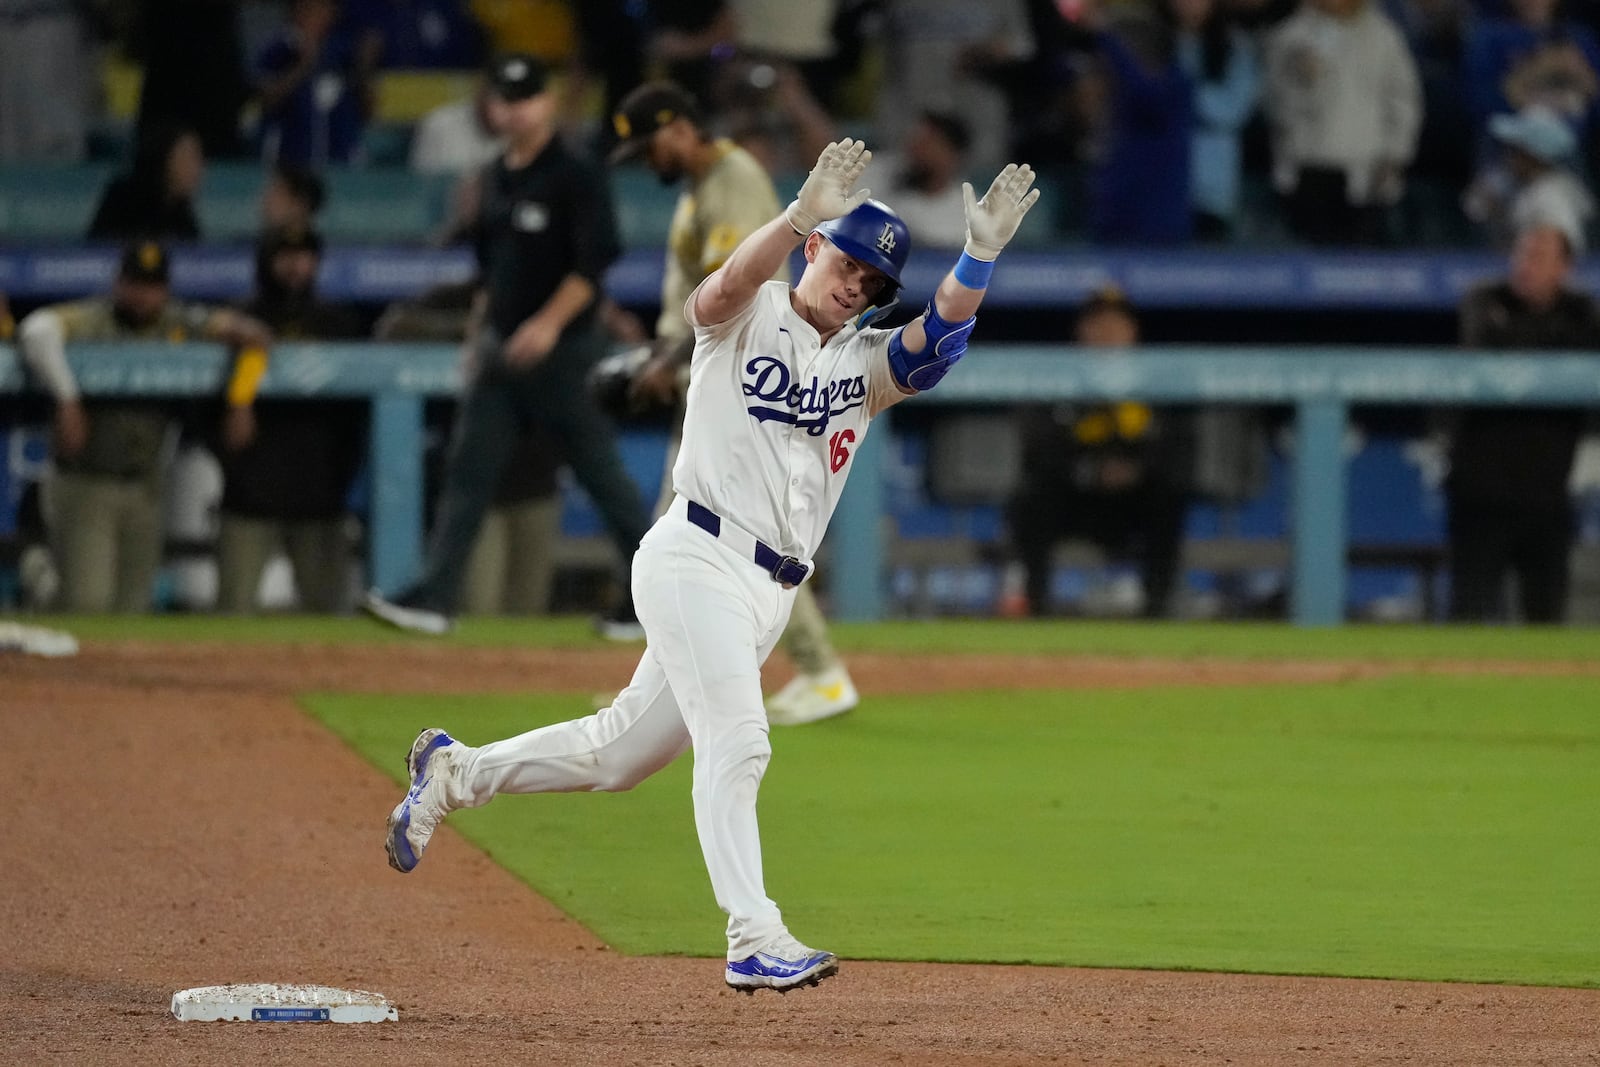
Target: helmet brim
x,y
858,251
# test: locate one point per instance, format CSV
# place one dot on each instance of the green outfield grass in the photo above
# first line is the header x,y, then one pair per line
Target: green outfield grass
x,y
1407,827
982,636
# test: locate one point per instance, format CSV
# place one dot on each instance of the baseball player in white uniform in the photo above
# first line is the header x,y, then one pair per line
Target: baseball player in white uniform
x,y
784,384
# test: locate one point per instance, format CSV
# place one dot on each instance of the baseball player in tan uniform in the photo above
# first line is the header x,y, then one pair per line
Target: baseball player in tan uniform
x,y
111,452
729,196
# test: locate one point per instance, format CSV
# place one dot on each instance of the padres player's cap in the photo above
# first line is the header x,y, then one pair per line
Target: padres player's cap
x,y
145,261
644,111
1106,298
516,75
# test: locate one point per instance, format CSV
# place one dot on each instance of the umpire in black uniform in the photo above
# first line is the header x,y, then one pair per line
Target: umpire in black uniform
x,y
545,235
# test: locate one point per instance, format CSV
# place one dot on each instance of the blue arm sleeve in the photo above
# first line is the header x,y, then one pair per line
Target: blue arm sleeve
x,y
947,343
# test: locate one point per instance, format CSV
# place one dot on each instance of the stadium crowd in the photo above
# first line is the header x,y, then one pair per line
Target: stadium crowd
x,y
1168,121
1152,123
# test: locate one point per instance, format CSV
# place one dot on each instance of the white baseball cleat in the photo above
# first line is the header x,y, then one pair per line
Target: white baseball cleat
x,y
432,763
405,617
810,697
783,965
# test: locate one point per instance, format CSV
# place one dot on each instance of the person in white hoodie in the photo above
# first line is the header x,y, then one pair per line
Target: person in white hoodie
x,y
1345,106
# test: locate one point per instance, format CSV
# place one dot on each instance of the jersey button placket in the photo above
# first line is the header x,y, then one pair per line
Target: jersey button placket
x,y
803,358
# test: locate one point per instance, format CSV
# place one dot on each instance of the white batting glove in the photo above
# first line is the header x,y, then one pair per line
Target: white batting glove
x,y
992,221
826,192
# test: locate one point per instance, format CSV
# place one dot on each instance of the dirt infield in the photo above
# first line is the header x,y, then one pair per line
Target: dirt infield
x,y
174,820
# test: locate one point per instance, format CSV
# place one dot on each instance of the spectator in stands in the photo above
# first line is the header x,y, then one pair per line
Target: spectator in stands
x,y
511,569
1530,180
801,35
1224,73
599,49
922,174
1047,120
194,71
775,117
1509,467
1530,56
1345,105
546,29
938,55
692,42
924,179
291,198
546,236
155,199
285,487
417,34
110,454
45,75
456,138
316,88
1435,32
1107,473
1140,188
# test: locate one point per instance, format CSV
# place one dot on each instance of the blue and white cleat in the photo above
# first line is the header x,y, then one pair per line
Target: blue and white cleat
x,y
784,965
430,762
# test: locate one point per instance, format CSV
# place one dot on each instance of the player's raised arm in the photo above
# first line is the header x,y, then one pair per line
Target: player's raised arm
x,y
923,351
826,194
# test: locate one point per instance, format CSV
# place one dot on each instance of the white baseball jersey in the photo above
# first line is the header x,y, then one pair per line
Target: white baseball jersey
x,y
774,417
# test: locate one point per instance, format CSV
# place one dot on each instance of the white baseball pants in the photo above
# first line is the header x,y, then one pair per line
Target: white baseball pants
x,y
712,617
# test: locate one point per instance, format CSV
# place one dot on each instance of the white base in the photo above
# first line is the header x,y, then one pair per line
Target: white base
x,y
36,640
266,1002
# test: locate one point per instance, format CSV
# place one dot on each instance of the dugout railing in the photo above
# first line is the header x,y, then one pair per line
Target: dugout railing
x,y
1319,384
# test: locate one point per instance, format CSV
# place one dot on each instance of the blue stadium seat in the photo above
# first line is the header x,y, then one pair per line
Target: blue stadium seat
x,y
50,202
43,203
387,144
384,205
229,205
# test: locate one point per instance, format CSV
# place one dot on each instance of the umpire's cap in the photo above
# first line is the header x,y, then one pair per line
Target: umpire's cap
x,y
517,75
876,236
145,261
644,111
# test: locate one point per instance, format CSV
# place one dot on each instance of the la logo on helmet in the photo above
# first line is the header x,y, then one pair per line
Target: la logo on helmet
x,y
886,239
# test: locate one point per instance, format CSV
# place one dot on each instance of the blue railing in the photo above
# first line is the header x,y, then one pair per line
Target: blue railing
x,y
1057,278
1321,384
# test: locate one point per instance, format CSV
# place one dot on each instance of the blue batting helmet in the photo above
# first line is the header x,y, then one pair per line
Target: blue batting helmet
x,y
876,236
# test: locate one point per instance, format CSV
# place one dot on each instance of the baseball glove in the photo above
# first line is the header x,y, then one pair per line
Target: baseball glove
x,y
610,380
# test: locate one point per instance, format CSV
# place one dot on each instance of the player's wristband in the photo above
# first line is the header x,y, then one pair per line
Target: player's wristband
x,y
248,371
972,272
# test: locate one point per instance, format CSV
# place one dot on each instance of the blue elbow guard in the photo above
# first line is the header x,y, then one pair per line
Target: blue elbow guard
x,y
946,344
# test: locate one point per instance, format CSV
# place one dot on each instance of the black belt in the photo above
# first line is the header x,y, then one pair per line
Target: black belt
x,y
787,571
